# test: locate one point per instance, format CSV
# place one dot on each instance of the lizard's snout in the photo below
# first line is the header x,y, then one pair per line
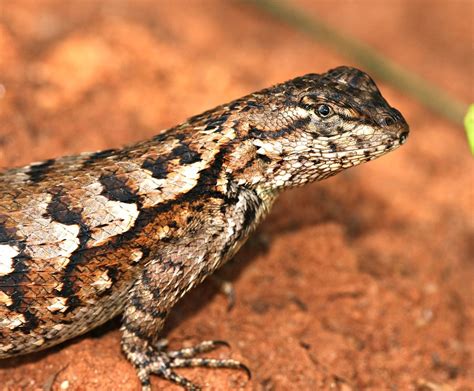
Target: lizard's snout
x,y
403,137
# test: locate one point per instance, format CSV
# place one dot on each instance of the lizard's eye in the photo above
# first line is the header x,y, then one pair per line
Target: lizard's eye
x,y
310,103
324,110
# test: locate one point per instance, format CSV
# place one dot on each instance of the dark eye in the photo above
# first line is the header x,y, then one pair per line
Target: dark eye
x,y
324,110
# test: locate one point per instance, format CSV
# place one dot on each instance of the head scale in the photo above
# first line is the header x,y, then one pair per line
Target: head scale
x,y
314,126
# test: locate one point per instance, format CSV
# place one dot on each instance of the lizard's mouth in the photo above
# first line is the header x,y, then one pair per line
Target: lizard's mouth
x,y
360,149
387,140
373,145
403,137
395,140
399,137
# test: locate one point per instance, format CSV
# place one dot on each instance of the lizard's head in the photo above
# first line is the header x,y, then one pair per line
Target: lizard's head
x,y
314,126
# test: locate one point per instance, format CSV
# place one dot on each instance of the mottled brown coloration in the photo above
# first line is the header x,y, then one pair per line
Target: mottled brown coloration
x,y
130,231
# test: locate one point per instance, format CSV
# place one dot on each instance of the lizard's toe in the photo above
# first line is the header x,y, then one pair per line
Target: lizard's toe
x,y
161,363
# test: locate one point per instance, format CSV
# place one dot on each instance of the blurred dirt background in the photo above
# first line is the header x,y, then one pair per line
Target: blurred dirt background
x,y
361,282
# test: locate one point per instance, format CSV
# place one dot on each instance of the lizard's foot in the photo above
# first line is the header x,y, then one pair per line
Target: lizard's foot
x,y
161,362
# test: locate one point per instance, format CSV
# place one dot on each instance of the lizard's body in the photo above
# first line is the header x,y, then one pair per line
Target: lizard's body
x,y
88,237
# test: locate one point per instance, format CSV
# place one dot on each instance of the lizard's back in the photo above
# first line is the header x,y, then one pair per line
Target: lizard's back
x,y
75,232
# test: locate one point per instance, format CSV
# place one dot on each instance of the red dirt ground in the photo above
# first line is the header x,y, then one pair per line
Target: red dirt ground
x,y
361,282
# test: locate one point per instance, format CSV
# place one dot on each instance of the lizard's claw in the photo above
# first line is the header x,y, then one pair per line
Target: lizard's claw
x,y
162,363
226,288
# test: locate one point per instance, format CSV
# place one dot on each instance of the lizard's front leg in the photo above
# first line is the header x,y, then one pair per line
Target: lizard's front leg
x,y
153,295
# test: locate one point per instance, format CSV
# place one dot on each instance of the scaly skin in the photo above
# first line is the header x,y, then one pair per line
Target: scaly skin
x,y
130,231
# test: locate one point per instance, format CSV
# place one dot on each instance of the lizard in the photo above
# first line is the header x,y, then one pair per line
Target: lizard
x,y
129,231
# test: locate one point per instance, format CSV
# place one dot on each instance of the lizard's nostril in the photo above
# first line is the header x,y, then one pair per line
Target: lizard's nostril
x,y
388,121
403,137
